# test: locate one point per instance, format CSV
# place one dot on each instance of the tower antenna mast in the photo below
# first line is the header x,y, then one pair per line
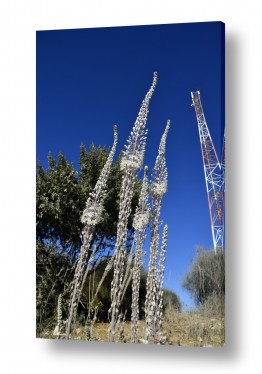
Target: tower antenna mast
x,y
214,175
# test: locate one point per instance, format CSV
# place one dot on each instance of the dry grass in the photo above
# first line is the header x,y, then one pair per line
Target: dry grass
x,y
192,329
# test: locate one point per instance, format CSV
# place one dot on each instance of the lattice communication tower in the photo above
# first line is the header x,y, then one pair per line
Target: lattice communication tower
x,y
214,175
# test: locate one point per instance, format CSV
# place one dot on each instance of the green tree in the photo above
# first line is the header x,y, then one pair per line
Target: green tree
x,y
61,194
54,270
58,203
206,277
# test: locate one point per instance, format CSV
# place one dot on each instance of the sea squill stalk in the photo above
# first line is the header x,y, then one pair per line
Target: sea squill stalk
x,y
159,283
132,160
140,223
129,269
91,216
158,190
59,317
106,271
89,264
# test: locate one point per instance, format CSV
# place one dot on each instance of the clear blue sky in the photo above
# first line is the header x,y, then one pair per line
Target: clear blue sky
x,y
90,79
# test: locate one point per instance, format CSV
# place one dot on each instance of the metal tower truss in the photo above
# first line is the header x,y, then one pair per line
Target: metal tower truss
x,y
223,159
214,175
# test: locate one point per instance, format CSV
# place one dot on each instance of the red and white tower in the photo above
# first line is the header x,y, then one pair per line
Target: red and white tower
x,y
214,175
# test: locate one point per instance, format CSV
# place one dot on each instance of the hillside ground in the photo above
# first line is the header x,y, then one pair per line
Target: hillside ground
x,y
181,329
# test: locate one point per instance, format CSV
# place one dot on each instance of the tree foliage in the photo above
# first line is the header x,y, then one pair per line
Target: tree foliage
x,y
61,194
58,202
54,270
206,277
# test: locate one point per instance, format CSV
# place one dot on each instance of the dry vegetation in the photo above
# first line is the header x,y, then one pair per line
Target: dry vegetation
x,y
192,329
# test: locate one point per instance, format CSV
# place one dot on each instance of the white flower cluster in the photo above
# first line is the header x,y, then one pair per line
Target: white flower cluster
x,y
158,189
133,156
141,217
141,221
134,161
159,175
93,211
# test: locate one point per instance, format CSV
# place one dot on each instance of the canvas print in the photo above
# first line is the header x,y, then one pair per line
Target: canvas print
x,y
130,184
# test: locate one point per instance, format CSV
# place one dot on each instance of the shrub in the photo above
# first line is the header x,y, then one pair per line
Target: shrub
x,y
171,300
214,306
207,276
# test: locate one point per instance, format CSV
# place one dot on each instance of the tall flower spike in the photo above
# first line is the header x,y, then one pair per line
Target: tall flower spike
x,y
157,191
160,278
59,316
140,223
133,156
92,215
141,217
131,161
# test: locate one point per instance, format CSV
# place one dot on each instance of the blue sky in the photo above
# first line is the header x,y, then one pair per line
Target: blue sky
x,y
90,79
